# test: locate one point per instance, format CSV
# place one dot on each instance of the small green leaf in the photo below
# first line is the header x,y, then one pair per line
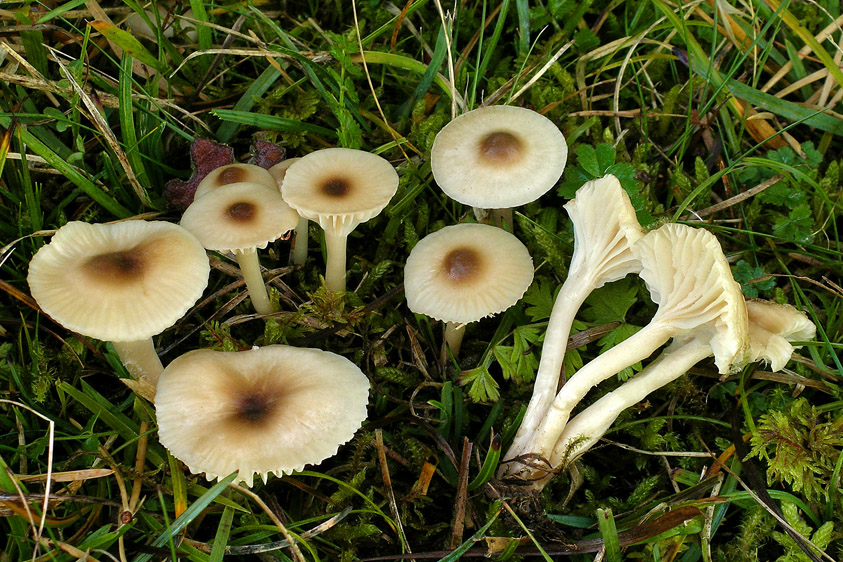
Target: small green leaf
x,y
481,385
128,43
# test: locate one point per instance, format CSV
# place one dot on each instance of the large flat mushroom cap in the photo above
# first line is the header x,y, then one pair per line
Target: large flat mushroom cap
x,y
689,278
234,173
339,188
240,217
465,272
497,157
270,409
124,281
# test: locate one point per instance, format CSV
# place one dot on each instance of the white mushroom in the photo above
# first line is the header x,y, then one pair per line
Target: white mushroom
x,y
121,282
241,218
498,157
605,230
271,409
463,273
298,255
690,281
339,188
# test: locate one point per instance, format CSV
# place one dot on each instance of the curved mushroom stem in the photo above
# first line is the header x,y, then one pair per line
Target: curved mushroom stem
x,y
570,297
636,348
250,267
299,254
335,261
454,331
143,364
586,428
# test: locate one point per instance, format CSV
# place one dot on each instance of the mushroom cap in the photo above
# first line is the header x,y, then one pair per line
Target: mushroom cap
x,y
124,281
279,171
605,231
241,217
465,272
689,278
234,173
270,409
497,157
339,187
772,327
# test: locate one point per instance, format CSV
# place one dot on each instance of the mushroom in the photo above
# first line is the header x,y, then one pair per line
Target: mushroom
x,y
498,157
241,218
339,188
689,279
299,253
605,230
462,273
270,409
122,282
234,173
771,329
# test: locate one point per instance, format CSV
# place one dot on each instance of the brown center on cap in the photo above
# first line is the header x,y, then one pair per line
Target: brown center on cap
x,y
116,267
242,211
253,408
462,264
336,187
231,175
500,147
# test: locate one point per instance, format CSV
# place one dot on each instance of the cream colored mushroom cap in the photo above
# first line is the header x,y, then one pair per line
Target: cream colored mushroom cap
x,y
772,327
279,171
689,278
497,157
339,188
124,281
271,409
465,272
241,217
234,173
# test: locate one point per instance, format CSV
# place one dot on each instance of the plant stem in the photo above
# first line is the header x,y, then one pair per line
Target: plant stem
x,y
250,267
335,266
454,331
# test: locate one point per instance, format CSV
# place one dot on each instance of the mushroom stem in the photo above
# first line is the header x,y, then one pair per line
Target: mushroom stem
x,y
299,254
250,267
500,217
142,362
586,428
636,348
335,262
573,293
454,331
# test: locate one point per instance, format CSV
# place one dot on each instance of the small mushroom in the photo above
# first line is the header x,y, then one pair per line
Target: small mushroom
x,y
465,272
234,173
270,409
498,157
122,282
241,218
299,252
339,188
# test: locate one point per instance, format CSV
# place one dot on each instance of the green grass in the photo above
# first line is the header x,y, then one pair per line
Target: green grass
x,y
680,104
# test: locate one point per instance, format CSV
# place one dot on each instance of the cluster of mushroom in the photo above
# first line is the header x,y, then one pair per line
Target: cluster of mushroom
x,y
700,307
125,282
